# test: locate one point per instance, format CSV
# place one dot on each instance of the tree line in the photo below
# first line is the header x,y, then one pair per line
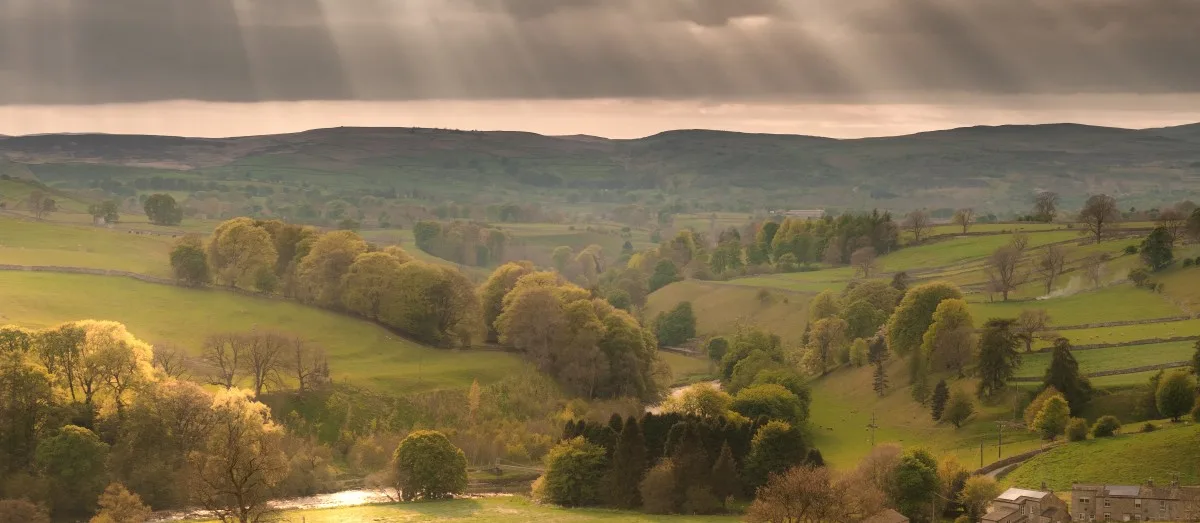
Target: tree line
x,y
466,243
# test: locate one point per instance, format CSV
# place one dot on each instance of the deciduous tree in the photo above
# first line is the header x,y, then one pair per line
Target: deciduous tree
x,y
964,218
1174,222
776,447
959,408
918,223
1100,214
1093,269
240,252
320,272
949,342
913,484
1003,272
1176,395
500,283
73,461
1157,249
162,209
171,359
1053,418
368,282
429,467
119,505
41,204
864,261
1045,206
906,328
1050,264
574,473
827,338
977,493
823,305
1029,324
808,494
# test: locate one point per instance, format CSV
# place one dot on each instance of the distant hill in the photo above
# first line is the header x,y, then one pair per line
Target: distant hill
x,y
981,166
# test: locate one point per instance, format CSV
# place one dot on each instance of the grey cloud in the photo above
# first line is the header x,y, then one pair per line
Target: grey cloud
x,y
89,51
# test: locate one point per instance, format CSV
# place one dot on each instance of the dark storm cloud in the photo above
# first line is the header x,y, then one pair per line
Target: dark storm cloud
x,y
96,51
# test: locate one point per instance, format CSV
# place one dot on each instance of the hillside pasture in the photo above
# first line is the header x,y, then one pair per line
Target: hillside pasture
x,y
1113,303
719,307
1127,459
37,243
1111,358
360,352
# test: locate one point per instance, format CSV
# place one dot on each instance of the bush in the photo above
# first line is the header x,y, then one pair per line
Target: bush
x,y
658,488
1140,277
1077,429
1106,427
118,505
1149,427
1196,413
1131,249
1188,262
717,347
428,466
770,400
700,500
575,473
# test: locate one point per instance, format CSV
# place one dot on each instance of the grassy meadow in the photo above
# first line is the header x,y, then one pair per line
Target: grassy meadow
x,y
1127,459
719,307
36,243
360,352
504,509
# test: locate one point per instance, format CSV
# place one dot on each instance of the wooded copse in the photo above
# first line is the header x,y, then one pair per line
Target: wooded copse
x,y
592,348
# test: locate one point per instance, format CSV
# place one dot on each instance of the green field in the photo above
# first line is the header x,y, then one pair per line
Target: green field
x,y
508,509
1112,358
1128,332
34,243
687,369
1128,459
1117,303
719,307
360,352
946,252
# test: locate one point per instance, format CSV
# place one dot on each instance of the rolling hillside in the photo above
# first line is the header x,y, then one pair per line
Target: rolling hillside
x,y
992,167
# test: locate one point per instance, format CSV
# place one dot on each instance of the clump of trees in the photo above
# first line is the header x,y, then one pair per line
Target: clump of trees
x,y
468,243
162,209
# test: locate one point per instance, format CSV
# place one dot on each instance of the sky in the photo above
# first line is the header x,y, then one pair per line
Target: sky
x,y
618,68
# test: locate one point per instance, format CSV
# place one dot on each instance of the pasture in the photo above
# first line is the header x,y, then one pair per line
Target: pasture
x,y
1127,459
360,352
719,307
37,243
1111,358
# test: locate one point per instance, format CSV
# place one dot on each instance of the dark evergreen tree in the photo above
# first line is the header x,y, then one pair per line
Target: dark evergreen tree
x,y
615,423
814,458
692,464
880,381
1064,376
1147,407
628,466
1157,250
877,351
655,428
998,356
941,393
569,431
725,481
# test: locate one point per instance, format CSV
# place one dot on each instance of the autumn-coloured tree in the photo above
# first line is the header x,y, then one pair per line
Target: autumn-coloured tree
x,y
964,218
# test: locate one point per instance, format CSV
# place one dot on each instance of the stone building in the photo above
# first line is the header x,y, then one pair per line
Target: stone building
x,y
1135,502
1017,505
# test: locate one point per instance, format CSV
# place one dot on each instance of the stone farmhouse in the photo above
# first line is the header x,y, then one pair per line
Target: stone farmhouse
x,y
1017,505
1135,503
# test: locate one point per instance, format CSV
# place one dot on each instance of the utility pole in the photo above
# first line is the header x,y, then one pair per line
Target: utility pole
x,y
980,454
999,438
872,428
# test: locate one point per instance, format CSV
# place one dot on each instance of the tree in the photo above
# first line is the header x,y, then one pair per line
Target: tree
x,y
119,505
1157,248
1035,406
1029,324
879,381
171,359
823,305
657,489
1077,429
113,360
265,358
977,493
41,204
913,484
628,466
950,340
1045,206
368,283
906,328
770,400
1093,268
21,511
959,408
827,338
500,283
188,261
918,223
858,352
864,261
724,475
320,272
73,462
429,467
575,473
1193,224
776,447
239,461
717,347
162,209
1063,374
1051,264
998,357
1053,418
1174,221
964,218
222,355
240,252
808,494
1196,359
677,326
701,400
106,210
1002,274
1106,427
1099,215
937,405
306,364
1176,395
665,273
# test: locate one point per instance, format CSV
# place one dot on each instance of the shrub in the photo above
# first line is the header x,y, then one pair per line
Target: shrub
x,y
1196,413
1140,277
1106,427
1077,429
14,510
717,347
1149,427
770,400
575,473
428,466
1188,262
118,505
1131,249
700,500
658,488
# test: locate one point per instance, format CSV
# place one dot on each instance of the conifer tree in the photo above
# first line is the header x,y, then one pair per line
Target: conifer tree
x,y
725,475
941,393
1064,375
998,356
880,382
628,466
